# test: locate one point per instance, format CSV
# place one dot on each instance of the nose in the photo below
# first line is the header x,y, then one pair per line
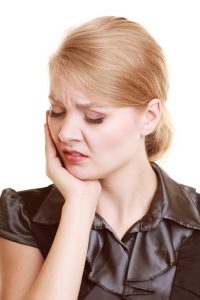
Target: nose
x,y
70,130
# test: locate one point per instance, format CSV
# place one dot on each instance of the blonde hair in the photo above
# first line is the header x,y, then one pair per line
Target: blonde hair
x,y
119,61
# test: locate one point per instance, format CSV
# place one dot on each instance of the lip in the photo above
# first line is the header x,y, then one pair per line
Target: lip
x,y
71,152
68,155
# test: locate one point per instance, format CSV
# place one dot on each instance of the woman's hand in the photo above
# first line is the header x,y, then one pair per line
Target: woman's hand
x,y
70,186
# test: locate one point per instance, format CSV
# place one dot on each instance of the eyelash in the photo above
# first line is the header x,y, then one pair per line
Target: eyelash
x,y
94,121
53,114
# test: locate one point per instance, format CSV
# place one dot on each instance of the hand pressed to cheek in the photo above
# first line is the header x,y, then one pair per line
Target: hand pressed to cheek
x,y
52,159
50,141
70,187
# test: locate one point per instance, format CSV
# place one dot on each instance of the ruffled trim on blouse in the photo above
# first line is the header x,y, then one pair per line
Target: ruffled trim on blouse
x,y
154,252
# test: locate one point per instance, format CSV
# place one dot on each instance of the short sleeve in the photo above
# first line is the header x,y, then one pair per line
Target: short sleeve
x,y
14,220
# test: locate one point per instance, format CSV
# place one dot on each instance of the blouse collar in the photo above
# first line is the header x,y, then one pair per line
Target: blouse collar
x,y
168,199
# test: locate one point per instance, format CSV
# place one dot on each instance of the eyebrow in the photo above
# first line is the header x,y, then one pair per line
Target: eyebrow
x,y
79,105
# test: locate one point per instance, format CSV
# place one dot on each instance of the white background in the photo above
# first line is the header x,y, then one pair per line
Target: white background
x,y
31,30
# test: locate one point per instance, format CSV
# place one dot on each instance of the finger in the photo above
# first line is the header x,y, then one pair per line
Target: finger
x,y
50,149
48,137
47,116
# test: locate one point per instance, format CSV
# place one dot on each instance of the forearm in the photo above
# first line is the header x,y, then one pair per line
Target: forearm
x,y
61,274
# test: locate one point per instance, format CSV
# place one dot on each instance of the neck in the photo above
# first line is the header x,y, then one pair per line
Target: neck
x,y
127,193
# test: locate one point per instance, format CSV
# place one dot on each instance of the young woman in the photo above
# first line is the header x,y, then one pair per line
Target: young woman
x,y
113,225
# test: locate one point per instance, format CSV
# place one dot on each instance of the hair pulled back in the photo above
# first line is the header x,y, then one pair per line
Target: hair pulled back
x,y
117,61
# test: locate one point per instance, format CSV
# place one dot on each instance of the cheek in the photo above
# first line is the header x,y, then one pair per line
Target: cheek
x,y
119,136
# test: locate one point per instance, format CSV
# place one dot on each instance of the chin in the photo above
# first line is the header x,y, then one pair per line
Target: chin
x,y
81,175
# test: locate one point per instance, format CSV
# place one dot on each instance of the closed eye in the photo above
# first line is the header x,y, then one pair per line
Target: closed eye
x,y
94,121
54,114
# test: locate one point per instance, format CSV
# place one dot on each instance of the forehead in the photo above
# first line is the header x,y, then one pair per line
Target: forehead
x,y
63,90
76,101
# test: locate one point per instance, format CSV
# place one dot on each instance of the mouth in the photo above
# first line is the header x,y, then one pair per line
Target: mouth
x,y
74,156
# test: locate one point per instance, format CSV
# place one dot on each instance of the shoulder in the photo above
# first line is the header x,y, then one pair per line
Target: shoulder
x,y
191,192
180,203
16,210
34,198
30,199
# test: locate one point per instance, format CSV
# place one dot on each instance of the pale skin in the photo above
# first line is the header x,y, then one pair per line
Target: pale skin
x,y
102,184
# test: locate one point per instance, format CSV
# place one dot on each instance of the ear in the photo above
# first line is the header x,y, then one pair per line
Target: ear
x,y
152,116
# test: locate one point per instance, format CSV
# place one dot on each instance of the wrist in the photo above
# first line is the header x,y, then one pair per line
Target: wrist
x,y
80,211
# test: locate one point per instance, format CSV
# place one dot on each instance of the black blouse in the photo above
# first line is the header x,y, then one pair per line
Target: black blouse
x,y
157,258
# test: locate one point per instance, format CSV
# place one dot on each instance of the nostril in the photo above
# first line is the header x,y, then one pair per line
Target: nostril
x,y
67,138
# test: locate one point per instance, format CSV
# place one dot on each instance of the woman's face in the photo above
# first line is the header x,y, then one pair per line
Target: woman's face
x,y
110,137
